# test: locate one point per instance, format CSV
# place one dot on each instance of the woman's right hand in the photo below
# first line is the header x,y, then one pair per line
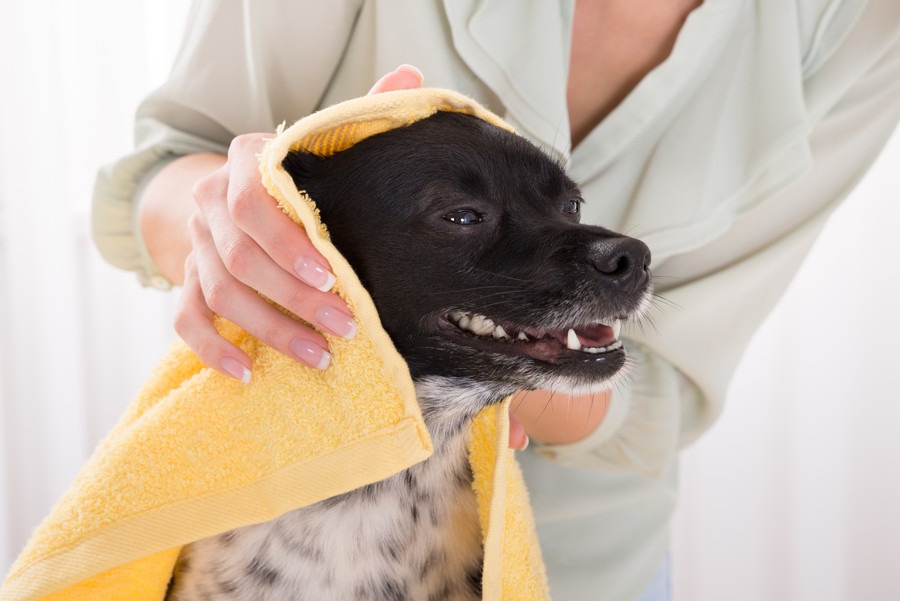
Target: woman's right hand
x,y
242,245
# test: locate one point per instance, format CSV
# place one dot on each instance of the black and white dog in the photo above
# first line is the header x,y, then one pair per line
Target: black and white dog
x,y
468,239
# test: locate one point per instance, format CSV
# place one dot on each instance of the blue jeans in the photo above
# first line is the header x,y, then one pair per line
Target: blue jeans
x,y
660,589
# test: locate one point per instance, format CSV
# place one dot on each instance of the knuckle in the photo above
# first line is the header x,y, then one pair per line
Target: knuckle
x,y
292,241
190,265
244,142
302,300
236,257
208,349
217,298
196,226
243,203
207,189
183,324
274,336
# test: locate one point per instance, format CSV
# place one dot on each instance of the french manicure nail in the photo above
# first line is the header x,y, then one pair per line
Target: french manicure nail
x,y
336,322
311,272
411,69
237,371
310,353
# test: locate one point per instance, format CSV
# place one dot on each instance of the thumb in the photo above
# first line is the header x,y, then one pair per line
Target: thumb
x,y
404,77
518,438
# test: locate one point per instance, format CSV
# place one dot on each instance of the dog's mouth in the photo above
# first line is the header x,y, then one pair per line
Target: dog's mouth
x,y
582,342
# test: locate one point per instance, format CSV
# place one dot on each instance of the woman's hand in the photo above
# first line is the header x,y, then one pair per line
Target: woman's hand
x,y
239,244
555,418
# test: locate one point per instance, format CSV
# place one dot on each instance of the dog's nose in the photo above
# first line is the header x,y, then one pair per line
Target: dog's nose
x,y
624,262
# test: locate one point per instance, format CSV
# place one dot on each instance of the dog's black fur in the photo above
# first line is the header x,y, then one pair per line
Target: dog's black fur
x,y
390,203
449,216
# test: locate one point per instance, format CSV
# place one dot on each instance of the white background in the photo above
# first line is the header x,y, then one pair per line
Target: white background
x,y
794,495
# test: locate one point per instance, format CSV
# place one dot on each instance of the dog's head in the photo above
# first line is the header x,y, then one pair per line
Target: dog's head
x,y
468,239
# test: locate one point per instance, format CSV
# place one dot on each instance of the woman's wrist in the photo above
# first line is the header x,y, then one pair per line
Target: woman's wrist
x,y
166,206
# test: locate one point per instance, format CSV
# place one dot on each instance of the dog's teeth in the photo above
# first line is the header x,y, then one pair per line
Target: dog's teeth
x,y
522,336
488,326
475,323
455,316
481,325
596,350
572,341
464,321
617,328
499,332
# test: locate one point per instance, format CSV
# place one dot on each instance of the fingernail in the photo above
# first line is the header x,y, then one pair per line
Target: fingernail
x,y
310,353
312,272
411,69
519,443
336,322
236,370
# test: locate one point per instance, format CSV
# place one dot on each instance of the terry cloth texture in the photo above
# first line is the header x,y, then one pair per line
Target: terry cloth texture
x,y
197,453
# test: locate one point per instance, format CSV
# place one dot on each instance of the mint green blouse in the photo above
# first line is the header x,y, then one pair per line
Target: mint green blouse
x,y
726,159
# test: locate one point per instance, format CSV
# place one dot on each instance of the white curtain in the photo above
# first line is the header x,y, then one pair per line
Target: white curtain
x,y
76,336
795,495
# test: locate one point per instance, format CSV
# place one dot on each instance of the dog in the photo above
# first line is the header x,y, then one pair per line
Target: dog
x,y
468,239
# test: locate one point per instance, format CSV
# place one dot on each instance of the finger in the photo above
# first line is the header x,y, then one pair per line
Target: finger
x,y
219,239
282,240
404,77
226,296
518,439
246,262
256,213
193,323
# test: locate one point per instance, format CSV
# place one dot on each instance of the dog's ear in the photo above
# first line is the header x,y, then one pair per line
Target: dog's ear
x,y
303,167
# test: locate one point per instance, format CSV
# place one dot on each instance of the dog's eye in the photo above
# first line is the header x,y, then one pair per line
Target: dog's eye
x,y
464,217
572,206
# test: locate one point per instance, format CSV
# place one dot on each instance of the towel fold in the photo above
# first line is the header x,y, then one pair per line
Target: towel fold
x,y
197,453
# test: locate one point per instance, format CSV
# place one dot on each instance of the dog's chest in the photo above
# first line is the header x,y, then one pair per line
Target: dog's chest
x,y
414,536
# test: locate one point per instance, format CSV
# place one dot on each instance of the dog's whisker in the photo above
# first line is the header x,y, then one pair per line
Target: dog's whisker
x,y
648,320
587,422
500,275
659,299
549,401
474,288
516,403
456,293
513,293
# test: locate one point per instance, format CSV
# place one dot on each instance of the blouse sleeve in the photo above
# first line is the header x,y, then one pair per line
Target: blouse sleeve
x,y
238,71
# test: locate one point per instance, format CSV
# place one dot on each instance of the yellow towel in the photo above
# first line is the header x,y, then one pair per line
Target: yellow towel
x,y
197,454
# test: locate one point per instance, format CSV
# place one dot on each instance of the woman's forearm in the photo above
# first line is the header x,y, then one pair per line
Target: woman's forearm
x,y
165,207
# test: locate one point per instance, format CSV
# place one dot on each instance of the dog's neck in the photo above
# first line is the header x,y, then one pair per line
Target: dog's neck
x,y
450,404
